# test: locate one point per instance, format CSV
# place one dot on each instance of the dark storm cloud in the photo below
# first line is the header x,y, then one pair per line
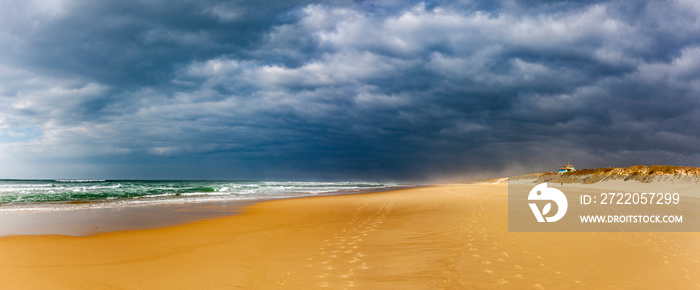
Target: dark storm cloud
x,y
213,89
134,43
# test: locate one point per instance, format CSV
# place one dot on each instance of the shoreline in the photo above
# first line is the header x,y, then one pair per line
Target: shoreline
x,y
90,221
442,236
100,219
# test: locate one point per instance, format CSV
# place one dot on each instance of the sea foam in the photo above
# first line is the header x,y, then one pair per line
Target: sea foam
x,y
67,194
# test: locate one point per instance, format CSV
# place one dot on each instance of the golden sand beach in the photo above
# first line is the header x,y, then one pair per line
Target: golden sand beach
x,y
437,237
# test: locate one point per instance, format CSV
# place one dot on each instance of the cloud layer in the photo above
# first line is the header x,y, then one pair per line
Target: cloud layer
x,y
339,90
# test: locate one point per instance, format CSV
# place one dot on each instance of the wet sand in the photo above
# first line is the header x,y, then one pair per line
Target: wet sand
x,y
439,237
90,221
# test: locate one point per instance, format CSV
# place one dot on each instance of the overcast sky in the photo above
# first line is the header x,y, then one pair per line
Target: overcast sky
x,y
373,90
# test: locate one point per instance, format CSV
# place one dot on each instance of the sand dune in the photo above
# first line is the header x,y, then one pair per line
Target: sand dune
x,y
439,237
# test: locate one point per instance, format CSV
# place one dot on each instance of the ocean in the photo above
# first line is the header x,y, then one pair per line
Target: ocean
x,y
54,195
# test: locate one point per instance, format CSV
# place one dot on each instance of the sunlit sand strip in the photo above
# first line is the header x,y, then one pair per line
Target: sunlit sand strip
x,y
440,237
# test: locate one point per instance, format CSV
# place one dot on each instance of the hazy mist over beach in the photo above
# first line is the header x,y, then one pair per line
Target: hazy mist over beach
x,y
344,90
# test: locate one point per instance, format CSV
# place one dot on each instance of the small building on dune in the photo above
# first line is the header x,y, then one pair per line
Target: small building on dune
x,y
567,168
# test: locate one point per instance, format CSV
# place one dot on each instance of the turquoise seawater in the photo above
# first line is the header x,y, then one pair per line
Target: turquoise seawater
x,y
42,195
